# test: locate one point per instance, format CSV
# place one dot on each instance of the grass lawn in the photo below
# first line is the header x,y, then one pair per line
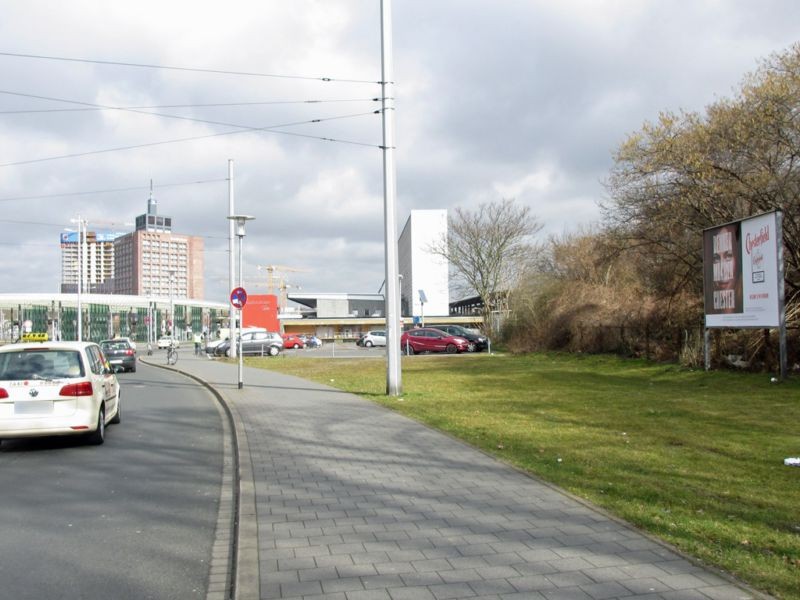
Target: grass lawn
x,y
695,458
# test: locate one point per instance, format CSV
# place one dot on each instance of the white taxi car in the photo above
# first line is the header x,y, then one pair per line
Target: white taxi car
x,y
167,341
57,388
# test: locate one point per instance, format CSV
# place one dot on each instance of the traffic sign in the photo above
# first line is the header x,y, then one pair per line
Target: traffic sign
x,y
238,297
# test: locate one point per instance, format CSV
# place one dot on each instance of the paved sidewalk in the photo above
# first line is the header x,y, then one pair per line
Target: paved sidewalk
x,y
354,502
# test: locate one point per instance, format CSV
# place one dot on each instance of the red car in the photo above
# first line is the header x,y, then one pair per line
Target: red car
x,y
428,339
291,340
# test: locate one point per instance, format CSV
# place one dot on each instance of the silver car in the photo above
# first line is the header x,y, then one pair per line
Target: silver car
x,y
374,338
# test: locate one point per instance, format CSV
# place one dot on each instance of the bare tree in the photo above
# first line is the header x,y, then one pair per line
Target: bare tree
x,y
689,171
488,249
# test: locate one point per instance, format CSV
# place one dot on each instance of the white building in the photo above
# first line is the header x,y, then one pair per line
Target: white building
x,y
97,258
424,288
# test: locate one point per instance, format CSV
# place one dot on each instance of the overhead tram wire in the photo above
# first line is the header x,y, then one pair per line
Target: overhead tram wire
x,y
244,129
166,115
190,69
109,191
61,226
209,105
31,223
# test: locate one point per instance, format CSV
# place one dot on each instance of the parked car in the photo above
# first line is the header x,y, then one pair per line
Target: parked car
x,y
222,348
428,339
57,388
477,341
120,354
212,344
254,343
167,341
373,338
290,340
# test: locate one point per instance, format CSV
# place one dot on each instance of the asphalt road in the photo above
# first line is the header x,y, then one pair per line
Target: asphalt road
x,y
131,519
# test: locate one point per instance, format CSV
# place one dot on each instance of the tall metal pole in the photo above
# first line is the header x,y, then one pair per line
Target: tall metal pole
x,y
394,386
231,258
171,306
240,221
241,285
80,279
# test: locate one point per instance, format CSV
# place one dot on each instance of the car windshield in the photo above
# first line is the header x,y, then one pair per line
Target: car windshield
x,y
115,345
40,364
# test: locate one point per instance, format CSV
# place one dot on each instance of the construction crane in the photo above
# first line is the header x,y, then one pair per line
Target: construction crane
x,y
272,269
283,293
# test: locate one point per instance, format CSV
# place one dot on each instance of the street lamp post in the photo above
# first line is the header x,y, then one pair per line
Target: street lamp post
x,y
240,221
172,304
81,232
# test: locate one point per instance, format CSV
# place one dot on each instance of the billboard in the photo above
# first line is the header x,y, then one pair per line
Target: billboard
x,y
261,310
100,236
741,274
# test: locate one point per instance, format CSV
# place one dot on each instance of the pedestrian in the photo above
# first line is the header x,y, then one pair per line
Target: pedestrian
x,y
197,342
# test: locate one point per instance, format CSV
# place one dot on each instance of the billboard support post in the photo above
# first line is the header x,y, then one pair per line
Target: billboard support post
x,y
781,295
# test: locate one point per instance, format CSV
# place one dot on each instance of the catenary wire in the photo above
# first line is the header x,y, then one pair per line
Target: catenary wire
x,y
169,116
61,227
192,69
208,105
109,191
269,129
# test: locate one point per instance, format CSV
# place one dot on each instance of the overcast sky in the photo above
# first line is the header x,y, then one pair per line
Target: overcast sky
x,y
524,99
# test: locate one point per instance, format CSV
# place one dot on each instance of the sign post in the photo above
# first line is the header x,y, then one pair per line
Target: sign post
x,y
238,300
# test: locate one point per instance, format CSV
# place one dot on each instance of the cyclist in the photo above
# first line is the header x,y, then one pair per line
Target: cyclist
x,y
172,353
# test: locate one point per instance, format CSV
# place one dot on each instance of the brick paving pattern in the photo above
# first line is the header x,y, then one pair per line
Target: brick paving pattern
x,y
355,502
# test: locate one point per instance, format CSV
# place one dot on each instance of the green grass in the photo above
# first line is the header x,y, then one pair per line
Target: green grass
x,y
695,458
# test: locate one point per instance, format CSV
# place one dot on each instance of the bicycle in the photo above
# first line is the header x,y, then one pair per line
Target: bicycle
x,y
172,355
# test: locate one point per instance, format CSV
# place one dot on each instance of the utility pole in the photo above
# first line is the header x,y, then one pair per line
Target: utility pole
x,y
394,386
241,221
81,254
231,260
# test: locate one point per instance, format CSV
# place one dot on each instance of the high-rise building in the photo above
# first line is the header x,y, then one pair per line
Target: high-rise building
x,y
97,258
154,261
424,287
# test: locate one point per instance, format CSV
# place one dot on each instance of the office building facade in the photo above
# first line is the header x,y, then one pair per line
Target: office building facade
x,y
158,263
153,261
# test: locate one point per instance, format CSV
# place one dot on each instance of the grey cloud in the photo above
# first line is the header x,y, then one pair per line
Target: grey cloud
x,y
488,96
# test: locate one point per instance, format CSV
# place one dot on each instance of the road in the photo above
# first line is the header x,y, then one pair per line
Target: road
x,y
132,519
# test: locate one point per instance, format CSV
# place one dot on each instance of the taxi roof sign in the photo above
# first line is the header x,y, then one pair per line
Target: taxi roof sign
x,y
34,336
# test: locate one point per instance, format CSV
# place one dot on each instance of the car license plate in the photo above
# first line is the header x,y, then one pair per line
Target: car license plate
x,y
33,407
116,361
